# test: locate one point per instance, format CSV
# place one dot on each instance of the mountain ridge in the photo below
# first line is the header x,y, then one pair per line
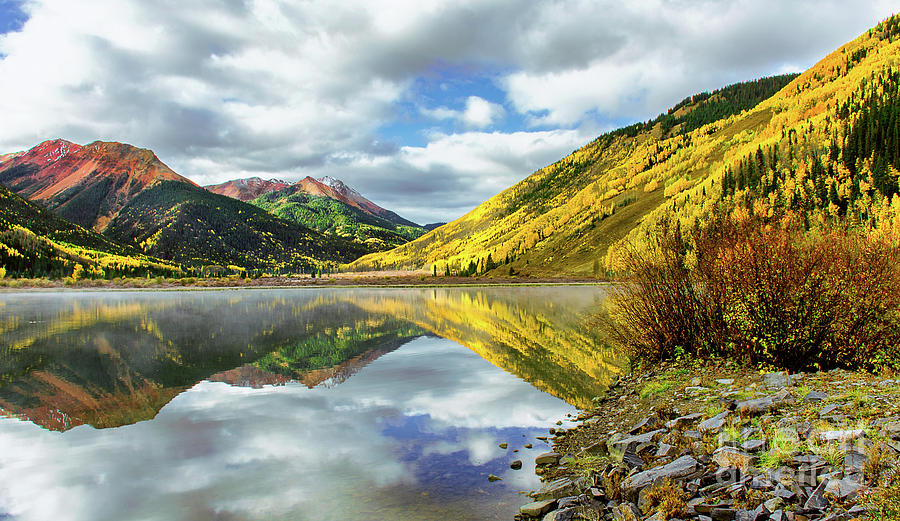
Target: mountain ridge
x,y
781,145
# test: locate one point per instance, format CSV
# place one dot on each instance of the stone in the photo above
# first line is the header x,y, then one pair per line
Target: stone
x,y
647,422
844,489
828,409
758,514
503,445
714,425
840,436
657,516
557,489
595,449
680,468
547,458
537,508
815,396
597,493
774,503
516,465
753,445
727,475
528,445
563,514
692,435
892,428
722,514
809,461
731,457
854,461
784,494
759,483
783,396
725,381
776,380
755,406
492,478
618,447
817,499
626,512
684,421
778,515
664,450
632,461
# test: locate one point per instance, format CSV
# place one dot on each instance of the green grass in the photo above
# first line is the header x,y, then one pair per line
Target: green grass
x,y
653,388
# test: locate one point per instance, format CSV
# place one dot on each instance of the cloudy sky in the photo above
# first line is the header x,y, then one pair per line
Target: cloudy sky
x,y
426,107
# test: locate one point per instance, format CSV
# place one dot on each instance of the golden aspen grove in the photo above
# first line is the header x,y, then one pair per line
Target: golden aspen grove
x,y
824,147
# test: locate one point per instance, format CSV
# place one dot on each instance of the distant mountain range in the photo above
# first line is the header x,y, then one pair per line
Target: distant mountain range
x,y
326,205
144,208
823,145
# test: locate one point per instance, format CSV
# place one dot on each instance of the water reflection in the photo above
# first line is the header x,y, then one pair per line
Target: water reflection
x,y
311,404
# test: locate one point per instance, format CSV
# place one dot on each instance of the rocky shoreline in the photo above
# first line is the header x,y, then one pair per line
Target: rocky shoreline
x,y
732,445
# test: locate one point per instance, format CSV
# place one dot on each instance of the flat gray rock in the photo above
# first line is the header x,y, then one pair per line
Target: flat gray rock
x,y
680,468
843,488
684,421
715,424
753,445
626,512
537,508
776,380
547,458
731,457
755,406
629,444
557,489
815,396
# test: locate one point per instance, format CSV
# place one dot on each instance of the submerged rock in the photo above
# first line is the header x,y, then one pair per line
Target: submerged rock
x,y
537,508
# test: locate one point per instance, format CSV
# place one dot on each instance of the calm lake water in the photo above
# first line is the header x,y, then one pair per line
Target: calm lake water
x,y
302,404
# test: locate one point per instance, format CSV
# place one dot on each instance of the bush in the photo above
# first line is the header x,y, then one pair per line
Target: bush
x,y
763,293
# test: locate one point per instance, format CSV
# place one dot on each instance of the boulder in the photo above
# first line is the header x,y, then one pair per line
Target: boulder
x,y
844,489
753,445
547,458
715,424
664,450
731,457
828,409
776,380
840,436
684,421
557,489
722,514
622,445
755,406
678,469
516,465
815,396
817,499
626,512
537,508
563,514
725,381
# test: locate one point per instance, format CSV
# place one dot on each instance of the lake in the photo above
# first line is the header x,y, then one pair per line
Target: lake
x,y
294,404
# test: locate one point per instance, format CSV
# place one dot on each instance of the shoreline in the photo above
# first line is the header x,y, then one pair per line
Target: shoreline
x,y
732,445
12,285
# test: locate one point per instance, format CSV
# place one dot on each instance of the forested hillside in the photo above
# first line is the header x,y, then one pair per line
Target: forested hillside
x,y
185,223
334,217
36,243
823,145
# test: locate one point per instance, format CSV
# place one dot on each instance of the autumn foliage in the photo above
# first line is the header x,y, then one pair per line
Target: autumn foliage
x,y
765,293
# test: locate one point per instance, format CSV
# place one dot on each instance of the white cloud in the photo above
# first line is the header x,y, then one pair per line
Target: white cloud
x,y
481,113
283,89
